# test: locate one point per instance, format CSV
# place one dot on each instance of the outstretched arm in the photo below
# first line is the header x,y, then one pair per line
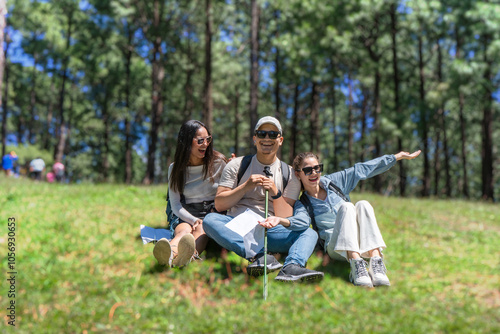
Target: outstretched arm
x,y
406,155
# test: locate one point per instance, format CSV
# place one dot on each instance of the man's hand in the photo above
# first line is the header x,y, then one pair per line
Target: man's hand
x,y
407,155
256,180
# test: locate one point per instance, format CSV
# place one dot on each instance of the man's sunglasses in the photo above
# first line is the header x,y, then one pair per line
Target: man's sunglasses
x,y
309,170
200,141
261,134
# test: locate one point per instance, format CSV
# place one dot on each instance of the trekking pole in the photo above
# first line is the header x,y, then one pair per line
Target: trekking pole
x,y
268,173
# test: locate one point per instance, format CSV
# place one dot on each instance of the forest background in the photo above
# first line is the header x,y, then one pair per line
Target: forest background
x,y
104,85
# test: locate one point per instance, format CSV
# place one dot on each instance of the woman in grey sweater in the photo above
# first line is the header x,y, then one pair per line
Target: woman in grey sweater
x,y
193,179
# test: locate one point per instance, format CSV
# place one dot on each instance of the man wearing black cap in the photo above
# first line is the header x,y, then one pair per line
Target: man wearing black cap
x,y
249,193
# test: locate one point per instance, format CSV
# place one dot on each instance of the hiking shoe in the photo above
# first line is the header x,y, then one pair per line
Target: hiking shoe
x,y
295,273
359,274
163,252
377,271
185,250
256,268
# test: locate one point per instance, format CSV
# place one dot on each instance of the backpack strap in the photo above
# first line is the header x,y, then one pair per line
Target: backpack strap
x,y
333,187
285,173
307,203
245,162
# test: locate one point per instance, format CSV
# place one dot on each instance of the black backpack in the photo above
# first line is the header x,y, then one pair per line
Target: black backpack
x,y
245,162
307,203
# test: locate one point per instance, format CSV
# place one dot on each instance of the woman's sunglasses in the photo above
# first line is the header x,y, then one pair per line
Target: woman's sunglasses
x,y
200,141
309,170
261,134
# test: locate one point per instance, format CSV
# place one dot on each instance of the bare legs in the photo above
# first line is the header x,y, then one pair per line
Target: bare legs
x,y
198,233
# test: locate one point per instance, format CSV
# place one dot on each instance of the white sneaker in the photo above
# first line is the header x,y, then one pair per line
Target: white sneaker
x,y
359,275
185,250
163,252
377,271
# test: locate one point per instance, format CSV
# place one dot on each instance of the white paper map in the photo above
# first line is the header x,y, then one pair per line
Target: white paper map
x,y
247,225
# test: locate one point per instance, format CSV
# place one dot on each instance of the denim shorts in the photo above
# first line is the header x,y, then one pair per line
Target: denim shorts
x,y
199,210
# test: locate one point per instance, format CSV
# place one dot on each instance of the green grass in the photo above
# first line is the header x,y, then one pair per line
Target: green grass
x,y
83,268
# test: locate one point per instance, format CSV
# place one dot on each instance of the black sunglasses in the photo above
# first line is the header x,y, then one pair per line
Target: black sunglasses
x,y
200,141
309,170
261,134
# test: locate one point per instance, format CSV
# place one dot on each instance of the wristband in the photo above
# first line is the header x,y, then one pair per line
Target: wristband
x,y
277,196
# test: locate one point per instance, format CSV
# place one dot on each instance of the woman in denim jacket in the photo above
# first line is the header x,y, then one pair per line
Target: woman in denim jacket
x,y
347,231
193,181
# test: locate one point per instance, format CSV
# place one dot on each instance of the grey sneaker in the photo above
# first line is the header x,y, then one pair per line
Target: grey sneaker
x,y
294,273
377,271
185,250
256,268
359,275
163,252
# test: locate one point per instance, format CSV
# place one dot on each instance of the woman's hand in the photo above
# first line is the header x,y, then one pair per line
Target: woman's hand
x,y
273,221
407,155
197,223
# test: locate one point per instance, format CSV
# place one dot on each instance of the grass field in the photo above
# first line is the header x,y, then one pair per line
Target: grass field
x,y
82,267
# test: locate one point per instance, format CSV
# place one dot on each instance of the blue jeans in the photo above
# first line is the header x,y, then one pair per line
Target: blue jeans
x,y
299,244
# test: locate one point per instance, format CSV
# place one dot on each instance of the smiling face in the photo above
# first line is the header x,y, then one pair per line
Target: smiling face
x,y
309,181
268,146
198,151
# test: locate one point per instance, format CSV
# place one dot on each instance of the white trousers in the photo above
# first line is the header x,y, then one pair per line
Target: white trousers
x,y
355,230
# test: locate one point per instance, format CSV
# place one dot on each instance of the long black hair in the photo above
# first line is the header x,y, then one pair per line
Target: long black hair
x,y
187,132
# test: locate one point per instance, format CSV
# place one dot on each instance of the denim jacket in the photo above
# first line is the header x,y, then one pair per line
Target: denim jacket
x,y
325,212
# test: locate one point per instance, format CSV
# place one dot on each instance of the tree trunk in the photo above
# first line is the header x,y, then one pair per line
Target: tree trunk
x,y
442,125
128,117
50,111
31,123
207,90
397,105
437,160
377,180
157,76
350,124
487,127
105,151
237,120
277,74
334,117
295,118
463,137
3,66
4,99
423,120
315,131
254,65
63,131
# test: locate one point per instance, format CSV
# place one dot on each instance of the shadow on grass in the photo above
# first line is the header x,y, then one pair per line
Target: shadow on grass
x,y
225,264
333,267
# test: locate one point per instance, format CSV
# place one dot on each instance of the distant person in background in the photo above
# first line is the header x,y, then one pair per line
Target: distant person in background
x,y
193,178
51,177
346,231
8,161
58,169
37,167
